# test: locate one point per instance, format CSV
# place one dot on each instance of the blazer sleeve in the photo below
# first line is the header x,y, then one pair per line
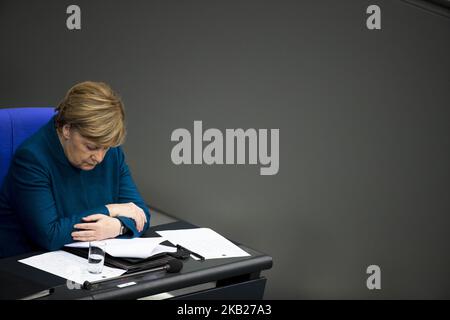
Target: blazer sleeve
x,y
128,192
33,201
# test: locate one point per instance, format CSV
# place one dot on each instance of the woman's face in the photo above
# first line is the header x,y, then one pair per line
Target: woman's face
x,y
81,152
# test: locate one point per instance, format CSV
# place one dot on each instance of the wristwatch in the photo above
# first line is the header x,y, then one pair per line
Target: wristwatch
x,y
123,229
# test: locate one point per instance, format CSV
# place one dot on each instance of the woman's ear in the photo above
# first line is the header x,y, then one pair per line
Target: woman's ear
x,y
66,131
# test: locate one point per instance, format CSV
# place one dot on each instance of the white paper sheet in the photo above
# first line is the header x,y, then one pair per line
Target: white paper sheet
x,y
131,248
205,242
162,248
69,266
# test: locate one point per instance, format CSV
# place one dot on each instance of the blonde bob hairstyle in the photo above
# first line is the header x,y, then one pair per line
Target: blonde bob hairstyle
x,y
95,111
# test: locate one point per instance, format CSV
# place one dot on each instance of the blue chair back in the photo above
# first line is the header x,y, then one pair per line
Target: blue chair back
x,y
16,125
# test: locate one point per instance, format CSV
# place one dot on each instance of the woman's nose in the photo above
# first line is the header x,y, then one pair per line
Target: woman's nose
x,y
99,155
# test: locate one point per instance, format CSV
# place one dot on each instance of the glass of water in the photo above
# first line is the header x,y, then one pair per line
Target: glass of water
x,y
96,258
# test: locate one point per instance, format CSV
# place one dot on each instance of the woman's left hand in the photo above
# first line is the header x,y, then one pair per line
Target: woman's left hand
x,y
98,227
129,210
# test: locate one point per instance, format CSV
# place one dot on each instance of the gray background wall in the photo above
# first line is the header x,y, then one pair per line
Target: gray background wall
x,y
363,116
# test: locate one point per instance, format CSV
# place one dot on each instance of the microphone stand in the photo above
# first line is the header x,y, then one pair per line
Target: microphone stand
x,y
91,285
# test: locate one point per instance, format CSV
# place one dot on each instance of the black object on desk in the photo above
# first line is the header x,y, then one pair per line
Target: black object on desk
x,y
188,252
132,265
172,266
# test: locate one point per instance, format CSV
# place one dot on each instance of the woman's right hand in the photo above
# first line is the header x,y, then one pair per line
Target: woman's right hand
x,y
129,210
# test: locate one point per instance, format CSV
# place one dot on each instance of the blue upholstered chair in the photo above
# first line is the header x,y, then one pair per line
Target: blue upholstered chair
x,y
16,125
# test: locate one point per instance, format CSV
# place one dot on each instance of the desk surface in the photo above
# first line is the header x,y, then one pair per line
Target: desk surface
x,y
19,280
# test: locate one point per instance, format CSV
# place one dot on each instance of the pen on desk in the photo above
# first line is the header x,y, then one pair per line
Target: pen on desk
x,y
202,258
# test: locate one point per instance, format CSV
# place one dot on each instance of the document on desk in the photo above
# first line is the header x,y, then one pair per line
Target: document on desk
x,y
131,248
205,242
69,266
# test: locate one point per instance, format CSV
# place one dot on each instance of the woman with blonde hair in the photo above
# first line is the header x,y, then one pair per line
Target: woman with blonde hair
x,y
69,181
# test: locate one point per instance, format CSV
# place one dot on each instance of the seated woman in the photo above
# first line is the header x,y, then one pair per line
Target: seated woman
x,y
69,181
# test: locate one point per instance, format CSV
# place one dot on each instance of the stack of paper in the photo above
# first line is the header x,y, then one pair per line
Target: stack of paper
x,y
205,242
131,248
69,266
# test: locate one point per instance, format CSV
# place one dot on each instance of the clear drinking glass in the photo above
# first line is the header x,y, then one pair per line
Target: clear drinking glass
x,y
96,258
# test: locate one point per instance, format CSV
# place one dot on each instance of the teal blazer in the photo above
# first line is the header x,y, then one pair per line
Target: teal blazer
x,y
44,196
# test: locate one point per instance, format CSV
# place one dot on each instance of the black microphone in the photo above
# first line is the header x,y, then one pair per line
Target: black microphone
x,y
172,266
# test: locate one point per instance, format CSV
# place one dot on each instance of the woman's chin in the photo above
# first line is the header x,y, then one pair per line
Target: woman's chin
x,y
87,167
